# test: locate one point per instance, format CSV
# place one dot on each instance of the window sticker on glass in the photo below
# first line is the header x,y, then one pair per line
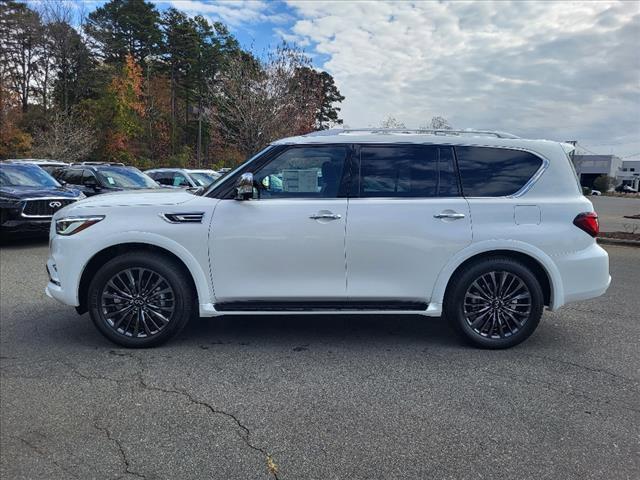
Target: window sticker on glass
x,y
111,181
300,180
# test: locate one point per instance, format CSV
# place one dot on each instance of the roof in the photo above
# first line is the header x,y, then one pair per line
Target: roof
x,y
446,137
37,161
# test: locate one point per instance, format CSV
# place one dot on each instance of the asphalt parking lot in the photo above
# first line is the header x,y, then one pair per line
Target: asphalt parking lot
x,y
317,397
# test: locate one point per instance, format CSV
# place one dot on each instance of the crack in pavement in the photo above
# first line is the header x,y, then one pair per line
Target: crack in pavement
x,y
272,467
581,366
123,453
44,454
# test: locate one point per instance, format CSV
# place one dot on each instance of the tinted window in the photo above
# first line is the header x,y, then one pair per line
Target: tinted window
x,y
494,172
73,176
407,171
309,172
88,178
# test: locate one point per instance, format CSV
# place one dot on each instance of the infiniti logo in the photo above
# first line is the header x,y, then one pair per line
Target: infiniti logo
x,y
55,204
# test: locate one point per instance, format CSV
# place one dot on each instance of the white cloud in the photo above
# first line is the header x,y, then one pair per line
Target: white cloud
x,y
563,70
231,12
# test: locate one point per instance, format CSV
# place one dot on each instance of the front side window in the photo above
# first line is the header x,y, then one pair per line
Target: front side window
x,y
306,172
73,176
495,172
179,180
407,171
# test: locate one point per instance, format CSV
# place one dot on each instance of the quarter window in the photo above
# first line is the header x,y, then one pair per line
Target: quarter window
x,y
407,171
305,172
494,172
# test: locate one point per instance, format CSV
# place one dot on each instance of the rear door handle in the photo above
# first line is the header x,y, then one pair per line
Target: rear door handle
x,y
325,216
449,215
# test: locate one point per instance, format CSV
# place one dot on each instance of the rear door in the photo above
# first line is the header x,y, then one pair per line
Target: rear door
x,y
407,219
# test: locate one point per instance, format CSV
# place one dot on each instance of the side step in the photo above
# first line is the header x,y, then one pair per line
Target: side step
x,y
260,306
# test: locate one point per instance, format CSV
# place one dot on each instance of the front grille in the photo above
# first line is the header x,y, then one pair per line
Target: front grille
x,y
44,207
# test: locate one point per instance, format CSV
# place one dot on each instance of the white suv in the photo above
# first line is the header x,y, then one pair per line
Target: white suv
x,y
483,227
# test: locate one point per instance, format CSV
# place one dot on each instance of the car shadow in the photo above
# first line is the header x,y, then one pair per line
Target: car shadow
x,y
14,241
285,330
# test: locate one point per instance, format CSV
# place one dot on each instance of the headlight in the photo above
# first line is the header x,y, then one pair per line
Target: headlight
x,y
9,202
72,225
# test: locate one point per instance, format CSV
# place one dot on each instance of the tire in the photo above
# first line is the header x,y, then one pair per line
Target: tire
x,y
141,299
494,303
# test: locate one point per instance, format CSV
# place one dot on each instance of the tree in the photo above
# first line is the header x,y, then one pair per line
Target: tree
x,y
20,41
119,112
604,183
391,122
124,27
69,138
257,101
440,123
326,115
14,142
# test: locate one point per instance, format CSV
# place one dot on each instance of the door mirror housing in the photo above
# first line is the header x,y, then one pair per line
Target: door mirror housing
x,y
196,190
244,186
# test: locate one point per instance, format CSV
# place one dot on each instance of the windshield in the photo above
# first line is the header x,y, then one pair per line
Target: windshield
x,y
126,177
25,176
204,179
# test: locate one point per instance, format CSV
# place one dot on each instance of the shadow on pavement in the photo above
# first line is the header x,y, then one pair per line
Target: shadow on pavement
x,y
13,241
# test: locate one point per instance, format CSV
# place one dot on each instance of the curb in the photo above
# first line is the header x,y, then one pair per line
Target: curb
x,y
618,241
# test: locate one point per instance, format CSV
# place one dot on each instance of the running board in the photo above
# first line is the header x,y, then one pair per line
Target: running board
x,y
260,306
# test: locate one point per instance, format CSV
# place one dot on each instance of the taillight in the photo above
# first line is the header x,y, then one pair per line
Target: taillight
x,y
588,221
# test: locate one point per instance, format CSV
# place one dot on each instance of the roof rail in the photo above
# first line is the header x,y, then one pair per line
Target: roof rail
x,y
118,164
408,131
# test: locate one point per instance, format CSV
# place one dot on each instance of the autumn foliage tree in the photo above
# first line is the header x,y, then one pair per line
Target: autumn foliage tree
x,y
149,87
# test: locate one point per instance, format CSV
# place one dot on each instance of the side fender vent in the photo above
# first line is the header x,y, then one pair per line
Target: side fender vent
x,y
186,217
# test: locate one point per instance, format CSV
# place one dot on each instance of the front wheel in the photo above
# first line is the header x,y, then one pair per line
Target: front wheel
x,y
140,299
495,303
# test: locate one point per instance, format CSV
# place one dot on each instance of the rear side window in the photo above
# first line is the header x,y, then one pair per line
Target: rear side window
x,y
407,171
494,172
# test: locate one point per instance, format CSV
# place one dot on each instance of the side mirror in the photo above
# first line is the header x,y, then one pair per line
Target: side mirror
x,y
244,186
196,190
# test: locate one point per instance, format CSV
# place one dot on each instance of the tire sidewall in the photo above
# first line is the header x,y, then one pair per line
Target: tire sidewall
x,y
163,266
454,304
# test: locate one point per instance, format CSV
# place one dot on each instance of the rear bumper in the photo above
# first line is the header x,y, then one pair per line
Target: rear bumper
x,y
585,274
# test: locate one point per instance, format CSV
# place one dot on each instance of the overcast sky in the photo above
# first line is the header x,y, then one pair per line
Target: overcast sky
x,y
559,70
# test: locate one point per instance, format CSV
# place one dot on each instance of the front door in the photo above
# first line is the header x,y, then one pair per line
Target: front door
x,y
407,219
286,245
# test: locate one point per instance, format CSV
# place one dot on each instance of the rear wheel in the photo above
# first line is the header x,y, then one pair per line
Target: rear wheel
x,y
495,303
140,299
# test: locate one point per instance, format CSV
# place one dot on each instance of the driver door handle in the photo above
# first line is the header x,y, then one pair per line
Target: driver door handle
x,y
449,215
325,216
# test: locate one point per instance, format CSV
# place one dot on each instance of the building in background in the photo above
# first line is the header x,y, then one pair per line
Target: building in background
x,y
590,167
629,174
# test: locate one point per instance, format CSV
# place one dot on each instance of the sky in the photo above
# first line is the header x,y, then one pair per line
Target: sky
x,y
557,70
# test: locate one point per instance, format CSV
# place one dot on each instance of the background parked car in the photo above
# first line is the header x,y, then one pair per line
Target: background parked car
x,y
49,166
193,180
29,197
596,192
626,189
93,178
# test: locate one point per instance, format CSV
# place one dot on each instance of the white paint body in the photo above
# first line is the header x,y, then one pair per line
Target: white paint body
x,y
379,249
